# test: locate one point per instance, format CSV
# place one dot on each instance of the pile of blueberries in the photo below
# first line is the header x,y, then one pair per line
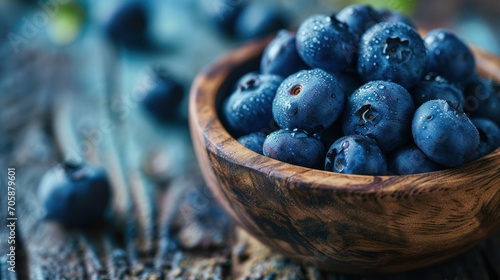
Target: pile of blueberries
x,y
361,92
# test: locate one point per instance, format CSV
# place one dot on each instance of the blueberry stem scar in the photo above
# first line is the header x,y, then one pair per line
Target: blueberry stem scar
x,y
296,90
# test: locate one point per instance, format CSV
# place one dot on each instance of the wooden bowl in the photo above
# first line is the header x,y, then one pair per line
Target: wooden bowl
x,y
345,223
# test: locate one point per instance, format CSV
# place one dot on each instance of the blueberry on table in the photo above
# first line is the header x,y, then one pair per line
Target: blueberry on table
x,y
75,195
259,19
410,160
392,52
387,15
128,25
327,43
481,101
356,154
444,133
162,99
381,110
294,147
489,137
249,108
310,100
358,17
253,141
449,56
223,13
280,56
436,87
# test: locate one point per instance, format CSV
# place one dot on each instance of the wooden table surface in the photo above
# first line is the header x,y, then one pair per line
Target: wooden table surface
x,y
57,103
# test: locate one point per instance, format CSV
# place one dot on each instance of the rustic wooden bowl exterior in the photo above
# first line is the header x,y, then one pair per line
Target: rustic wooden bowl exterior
x,y
345,223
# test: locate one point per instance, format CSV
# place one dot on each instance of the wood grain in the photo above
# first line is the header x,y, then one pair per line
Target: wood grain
x,y
344,223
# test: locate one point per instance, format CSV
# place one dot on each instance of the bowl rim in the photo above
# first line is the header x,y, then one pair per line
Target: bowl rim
x,y
203,114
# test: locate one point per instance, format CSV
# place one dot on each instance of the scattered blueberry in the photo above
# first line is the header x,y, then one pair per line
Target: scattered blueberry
x,y
280,56
496,88
481,100
253,141
410,160
294,147
162,99
128,25
356,154
75,195
381,110
387,15
358,17
444,134
259,19
449,56
325,42
249,108
311,100
223,13
392,52
489,137
436,87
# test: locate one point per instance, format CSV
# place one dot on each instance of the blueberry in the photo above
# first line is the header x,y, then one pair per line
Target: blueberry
x,y
280,56
410,160
356,154
359,17
259,19
496,88
351,81
330,134
489,137
444,134
392,52
128,25
162,99
325,42
75,195
436,87
449,56
249,108
310,100
381,110
387,15
253,141
294,147
223,13
481,100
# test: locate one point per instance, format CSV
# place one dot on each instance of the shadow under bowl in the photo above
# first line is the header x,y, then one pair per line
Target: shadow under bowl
x,y
344,223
